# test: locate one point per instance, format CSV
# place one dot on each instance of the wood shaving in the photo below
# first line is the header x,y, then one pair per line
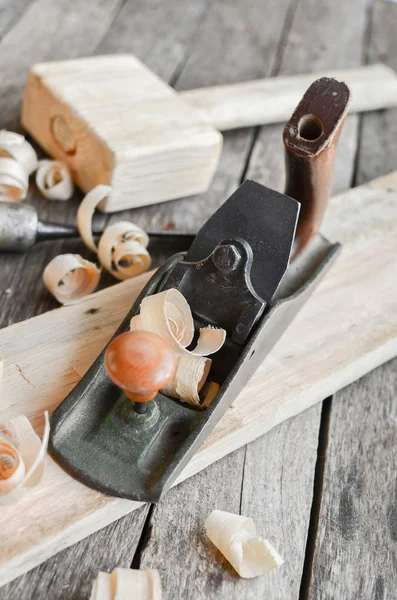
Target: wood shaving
x,y
168,314
13,180
122,250
122,246
69,277
127,584
86,211
22,457
54,180
235,536
14,145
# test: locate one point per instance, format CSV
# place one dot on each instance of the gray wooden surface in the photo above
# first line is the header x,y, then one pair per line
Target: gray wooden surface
x,y
321,487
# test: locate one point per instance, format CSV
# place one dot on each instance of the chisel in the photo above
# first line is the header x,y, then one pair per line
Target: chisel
x,y
20,229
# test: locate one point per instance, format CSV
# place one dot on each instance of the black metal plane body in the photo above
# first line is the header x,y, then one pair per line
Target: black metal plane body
x,y
231,278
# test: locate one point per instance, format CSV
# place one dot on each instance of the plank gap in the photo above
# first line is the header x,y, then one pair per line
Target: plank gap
x,y
143,540
242,479
8,21
367,34
285,33
323,437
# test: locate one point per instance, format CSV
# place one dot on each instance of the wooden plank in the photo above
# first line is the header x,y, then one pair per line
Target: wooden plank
x,y
358,503
10,12
357,535
176,543
144,29
271,482
377,152
333,342
70,573
217,57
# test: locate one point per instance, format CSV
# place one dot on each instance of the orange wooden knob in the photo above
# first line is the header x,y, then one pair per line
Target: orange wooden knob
x,y
140,363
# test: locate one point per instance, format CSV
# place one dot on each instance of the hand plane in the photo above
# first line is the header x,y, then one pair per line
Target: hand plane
x,y
249,270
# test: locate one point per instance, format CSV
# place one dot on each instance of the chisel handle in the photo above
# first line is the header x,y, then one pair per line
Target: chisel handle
x,y
310,139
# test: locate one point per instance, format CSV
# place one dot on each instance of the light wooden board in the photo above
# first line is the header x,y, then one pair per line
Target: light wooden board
x,y
357,534
336,339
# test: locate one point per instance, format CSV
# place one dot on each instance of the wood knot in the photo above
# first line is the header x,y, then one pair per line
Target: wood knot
x,y
63,135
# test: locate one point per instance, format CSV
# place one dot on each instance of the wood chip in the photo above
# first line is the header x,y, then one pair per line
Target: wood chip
x,y
235,536
14,145
22,457
168,314
54,180
69,277
127,584
13,180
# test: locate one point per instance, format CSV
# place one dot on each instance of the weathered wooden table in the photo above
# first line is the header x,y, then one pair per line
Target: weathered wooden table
x,y
321,487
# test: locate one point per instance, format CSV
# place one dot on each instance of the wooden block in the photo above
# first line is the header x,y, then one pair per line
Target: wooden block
x,y
114,122
347,328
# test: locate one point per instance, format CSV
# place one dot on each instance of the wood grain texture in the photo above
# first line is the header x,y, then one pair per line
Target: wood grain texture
x,y
356,538
10,12
355,553
271,482
236,41
70,573
377,152
340,340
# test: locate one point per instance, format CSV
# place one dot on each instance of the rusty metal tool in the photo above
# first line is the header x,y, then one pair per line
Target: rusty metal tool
x,y
237,275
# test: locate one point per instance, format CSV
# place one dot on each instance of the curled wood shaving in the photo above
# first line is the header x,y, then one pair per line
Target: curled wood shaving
x,y
235,536
122,246
12,468
168,314
14,145
13,180
22,457
86,211
54,180
125,584
122,250
69,277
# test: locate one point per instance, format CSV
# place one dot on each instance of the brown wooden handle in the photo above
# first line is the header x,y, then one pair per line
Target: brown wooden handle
x,y
310,139
140,363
